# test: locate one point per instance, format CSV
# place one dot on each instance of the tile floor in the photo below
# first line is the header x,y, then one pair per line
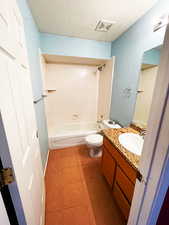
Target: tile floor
x,y
76,191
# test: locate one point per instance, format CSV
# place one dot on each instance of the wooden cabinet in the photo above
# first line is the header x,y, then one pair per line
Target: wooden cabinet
x,y
125,184
108,167
121,201
120,175
121,161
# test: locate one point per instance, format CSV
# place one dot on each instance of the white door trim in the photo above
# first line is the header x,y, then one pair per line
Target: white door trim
x,y
3,213
154,163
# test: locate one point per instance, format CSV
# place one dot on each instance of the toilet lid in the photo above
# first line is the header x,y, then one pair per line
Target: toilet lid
x,y
94,138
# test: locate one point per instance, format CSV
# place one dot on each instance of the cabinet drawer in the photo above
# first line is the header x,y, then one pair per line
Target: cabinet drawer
x,y
125,184
108,166
122,162
121,201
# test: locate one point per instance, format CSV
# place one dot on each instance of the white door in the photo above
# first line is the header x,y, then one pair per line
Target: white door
x,y
3,213
16,106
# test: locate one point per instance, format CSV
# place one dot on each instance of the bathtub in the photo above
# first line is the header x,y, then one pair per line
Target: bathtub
x,y
70,134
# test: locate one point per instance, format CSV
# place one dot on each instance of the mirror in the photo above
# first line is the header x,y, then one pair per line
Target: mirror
x,y
148,75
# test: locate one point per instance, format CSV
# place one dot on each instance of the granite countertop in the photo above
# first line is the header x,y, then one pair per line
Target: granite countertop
x,y
113,134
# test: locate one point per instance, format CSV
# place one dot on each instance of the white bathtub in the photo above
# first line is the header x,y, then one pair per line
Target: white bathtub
x,y
70,134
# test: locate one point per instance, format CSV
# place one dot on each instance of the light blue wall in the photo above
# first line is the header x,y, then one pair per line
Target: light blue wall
x,y
52,44
129,49
151,57
68,46
33,50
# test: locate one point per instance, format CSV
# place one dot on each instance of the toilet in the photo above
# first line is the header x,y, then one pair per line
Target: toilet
x,y
94,143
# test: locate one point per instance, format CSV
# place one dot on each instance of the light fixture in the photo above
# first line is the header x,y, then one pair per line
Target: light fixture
x,y
161,22
104,25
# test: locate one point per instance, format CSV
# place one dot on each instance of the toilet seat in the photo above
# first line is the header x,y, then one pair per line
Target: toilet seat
x,y
94,139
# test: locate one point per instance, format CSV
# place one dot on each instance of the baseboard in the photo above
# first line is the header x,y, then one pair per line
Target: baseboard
x,y
44,193
43,205
44,172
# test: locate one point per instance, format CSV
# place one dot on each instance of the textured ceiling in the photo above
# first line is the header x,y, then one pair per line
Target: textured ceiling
x,y
78,18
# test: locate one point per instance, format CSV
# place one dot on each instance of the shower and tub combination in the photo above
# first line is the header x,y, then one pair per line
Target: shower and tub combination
x,y
78,94
76,133
70,134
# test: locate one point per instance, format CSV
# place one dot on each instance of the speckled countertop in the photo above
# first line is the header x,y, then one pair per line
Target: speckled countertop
x,y
113,134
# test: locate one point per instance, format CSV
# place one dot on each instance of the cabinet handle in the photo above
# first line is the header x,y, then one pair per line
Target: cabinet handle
x,y
139,176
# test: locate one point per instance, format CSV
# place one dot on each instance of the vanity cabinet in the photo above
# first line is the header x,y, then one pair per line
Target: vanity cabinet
x,y
108,167
124,184
120,175
121,201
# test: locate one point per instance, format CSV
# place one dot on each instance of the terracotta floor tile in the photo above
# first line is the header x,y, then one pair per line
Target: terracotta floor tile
x,y
76,191
54,199
77,216
70,195
83,155
59,159
109,215
75,195
73,151
69,175
90,171
63,162
64,176
54,218
99,190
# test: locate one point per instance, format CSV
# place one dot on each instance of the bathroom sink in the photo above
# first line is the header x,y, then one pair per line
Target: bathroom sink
x,y
132,142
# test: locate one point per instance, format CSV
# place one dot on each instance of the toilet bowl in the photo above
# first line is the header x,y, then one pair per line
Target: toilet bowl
x,y
94,143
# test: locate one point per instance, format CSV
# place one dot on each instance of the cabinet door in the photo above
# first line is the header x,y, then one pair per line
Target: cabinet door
x,y
121,201
125,184
108,166
121,161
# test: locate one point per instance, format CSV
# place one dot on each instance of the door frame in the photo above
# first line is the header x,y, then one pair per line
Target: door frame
x,y
149,194
8,203
10,194
3,213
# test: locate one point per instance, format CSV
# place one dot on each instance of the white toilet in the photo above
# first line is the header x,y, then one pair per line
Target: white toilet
x,y
94,143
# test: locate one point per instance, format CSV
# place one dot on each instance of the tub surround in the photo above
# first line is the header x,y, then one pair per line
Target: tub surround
x,y
70,104
113,136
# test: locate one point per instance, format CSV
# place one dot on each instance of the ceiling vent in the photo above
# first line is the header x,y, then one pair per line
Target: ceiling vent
x,y
104,25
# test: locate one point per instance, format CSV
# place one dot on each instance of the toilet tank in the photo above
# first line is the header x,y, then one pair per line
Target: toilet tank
x,y
108,124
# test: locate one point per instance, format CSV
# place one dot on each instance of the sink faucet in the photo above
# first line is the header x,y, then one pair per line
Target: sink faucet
x,y
143,133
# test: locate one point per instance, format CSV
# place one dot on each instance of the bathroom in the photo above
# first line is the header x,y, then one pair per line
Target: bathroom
x,y
84,116
77,95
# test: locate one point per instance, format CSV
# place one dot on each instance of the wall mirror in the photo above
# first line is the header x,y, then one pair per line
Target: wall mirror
x,y
148,75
